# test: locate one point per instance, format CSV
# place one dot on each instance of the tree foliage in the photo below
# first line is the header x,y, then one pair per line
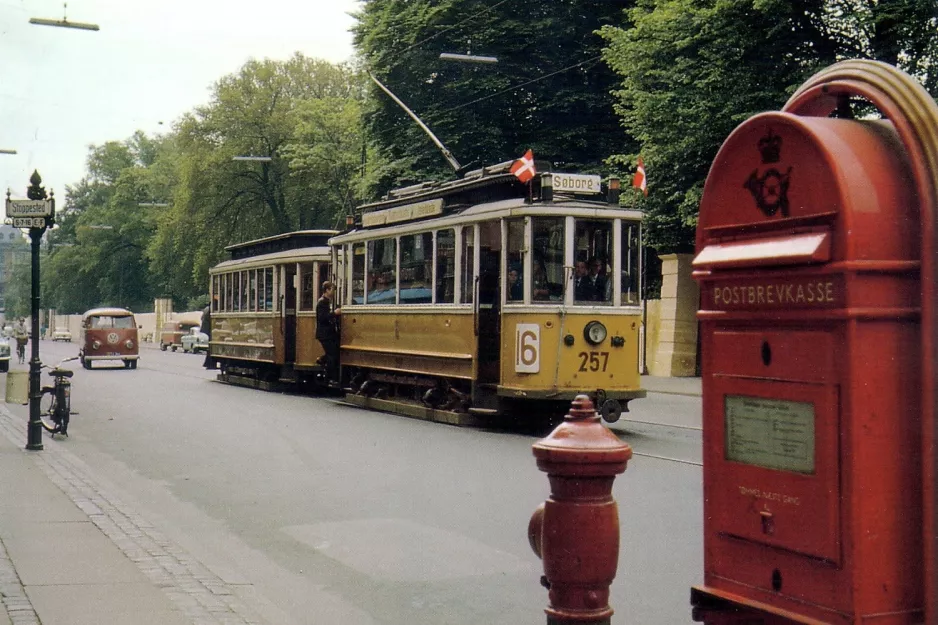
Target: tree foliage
x,y
548,92
690,71
154,214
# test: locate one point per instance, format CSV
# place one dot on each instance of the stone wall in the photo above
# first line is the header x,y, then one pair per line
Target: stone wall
x,y
148,333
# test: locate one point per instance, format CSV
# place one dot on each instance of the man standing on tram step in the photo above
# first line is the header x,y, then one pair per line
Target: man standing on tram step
x,y
327,331
206,327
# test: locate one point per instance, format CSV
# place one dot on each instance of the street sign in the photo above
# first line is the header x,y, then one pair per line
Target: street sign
x,y
29,222
30,208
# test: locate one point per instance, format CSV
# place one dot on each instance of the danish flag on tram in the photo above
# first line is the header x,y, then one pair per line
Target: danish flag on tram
x,y
523,168
639,181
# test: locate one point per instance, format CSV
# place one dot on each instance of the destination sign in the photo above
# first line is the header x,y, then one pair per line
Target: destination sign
x,y
30,208
407,212
576,183
775,293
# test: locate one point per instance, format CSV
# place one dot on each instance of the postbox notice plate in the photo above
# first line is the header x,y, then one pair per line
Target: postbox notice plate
x,y
774,463
770,433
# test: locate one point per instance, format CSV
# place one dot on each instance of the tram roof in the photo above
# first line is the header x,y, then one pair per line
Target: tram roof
x,y
487,185
280,243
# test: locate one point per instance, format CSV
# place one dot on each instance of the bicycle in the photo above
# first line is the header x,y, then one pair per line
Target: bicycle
x,y
56,400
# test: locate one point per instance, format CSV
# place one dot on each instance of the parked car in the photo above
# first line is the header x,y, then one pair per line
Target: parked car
x,y
196,341
61,334
172,332
5,349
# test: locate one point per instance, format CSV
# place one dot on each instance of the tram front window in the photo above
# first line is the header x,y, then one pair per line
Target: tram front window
x,y
593,262
547,261
631,270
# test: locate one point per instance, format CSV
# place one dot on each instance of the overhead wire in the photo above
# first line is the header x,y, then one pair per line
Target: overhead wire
x,y
524,84
446,30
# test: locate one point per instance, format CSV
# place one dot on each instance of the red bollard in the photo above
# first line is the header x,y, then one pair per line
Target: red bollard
x,y
576,531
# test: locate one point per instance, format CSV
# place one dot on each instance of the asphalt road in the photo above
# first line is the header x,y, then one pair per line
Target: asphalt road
x,y
323,513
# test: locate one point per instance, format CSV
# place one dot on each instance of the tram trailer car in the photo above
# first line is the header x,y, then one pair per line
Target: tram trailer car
x,y
263,310
486,297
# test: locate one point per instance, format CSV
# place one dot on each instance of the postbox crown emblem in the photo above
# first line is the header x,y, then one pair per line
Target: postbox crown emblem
x,y
770,190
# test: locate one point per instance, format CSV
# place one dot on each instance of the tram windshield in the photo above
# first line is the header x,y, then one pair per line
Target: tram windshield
x,y
547,263
594,259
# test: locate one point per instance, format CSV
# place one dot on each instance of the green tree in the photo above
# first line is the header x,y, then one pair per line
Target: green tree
x,y
691,71
548,92
98,252
302,114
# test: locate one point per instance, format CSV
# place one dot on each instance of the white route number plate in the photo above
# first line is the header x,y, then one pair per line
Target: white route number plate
x,y
29,222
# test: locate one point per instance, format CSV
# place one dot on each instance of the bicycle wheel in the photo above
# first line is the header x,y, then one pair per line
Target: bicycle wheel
x,y
47,403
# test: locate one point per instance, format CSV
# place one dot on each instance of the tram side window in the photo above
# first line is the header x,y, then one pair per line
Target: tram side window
x,y
467,259
252,290
631,269
514,280
229,292
220,294
261,304
241,294
382,272
547,274
306,286
445,266
325,273
269,288
417,268
358,273
593,260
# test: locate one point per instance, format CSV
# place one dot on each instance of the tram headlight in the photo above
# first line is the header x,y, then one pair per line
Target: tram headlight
x,y
594,333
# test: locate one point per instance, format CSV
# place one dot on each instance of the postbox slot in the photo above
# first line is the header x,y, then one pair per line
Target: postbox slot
x,y
793,356
781,250
774,464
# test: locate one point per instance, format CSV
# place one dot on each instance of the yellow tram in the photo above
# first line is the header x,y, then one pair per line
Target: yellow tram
x,y
486,297
263,310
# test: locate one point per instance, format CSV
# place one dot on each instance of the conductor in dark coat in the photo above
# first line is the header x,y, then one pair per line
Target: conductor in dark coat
x,y
206,327
327,331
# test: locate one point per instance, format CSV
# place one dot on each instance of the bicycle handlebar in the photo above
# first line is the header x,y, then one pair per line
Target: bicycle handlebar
x,y
61,362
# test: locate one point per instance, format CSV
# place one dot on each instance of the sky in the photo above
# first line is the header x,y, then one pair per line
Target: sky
x,y
62,90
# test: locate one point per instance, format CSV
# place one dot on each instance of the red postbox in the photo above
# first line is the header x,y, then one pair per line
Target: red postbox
x,y
809,262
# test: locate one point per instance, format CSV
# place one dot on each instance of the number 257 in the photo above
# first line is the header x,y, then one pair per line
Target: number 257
x,y
593,361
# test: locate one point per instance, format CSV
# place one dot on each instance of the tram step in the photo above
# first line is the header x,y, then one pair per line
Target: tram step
x,y
483,411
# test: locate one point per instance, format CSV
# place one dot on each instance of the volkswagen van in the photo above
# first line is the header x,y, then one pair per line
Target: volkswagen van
x,y
109,334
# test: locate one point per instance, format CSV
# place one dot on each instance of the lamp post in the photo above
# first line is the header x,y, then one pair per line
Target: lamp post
x,y
36,213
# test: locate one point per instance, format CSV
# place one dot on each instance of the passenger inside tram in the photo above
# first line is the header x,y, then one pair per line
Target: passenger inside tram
x,y
541,292
515,286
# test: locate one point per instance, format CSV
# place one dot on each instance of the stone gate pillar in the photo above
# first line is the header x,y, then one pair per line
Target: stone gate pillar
x,y
677,342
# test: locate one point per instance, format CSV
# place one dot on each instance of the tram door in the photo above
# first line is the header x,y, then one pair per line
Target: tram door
x,y
489,349
288,313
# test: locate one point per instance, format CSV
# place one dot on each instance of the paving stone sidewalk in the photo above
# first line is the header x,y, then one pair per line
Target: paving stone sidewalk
x,y
187,591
